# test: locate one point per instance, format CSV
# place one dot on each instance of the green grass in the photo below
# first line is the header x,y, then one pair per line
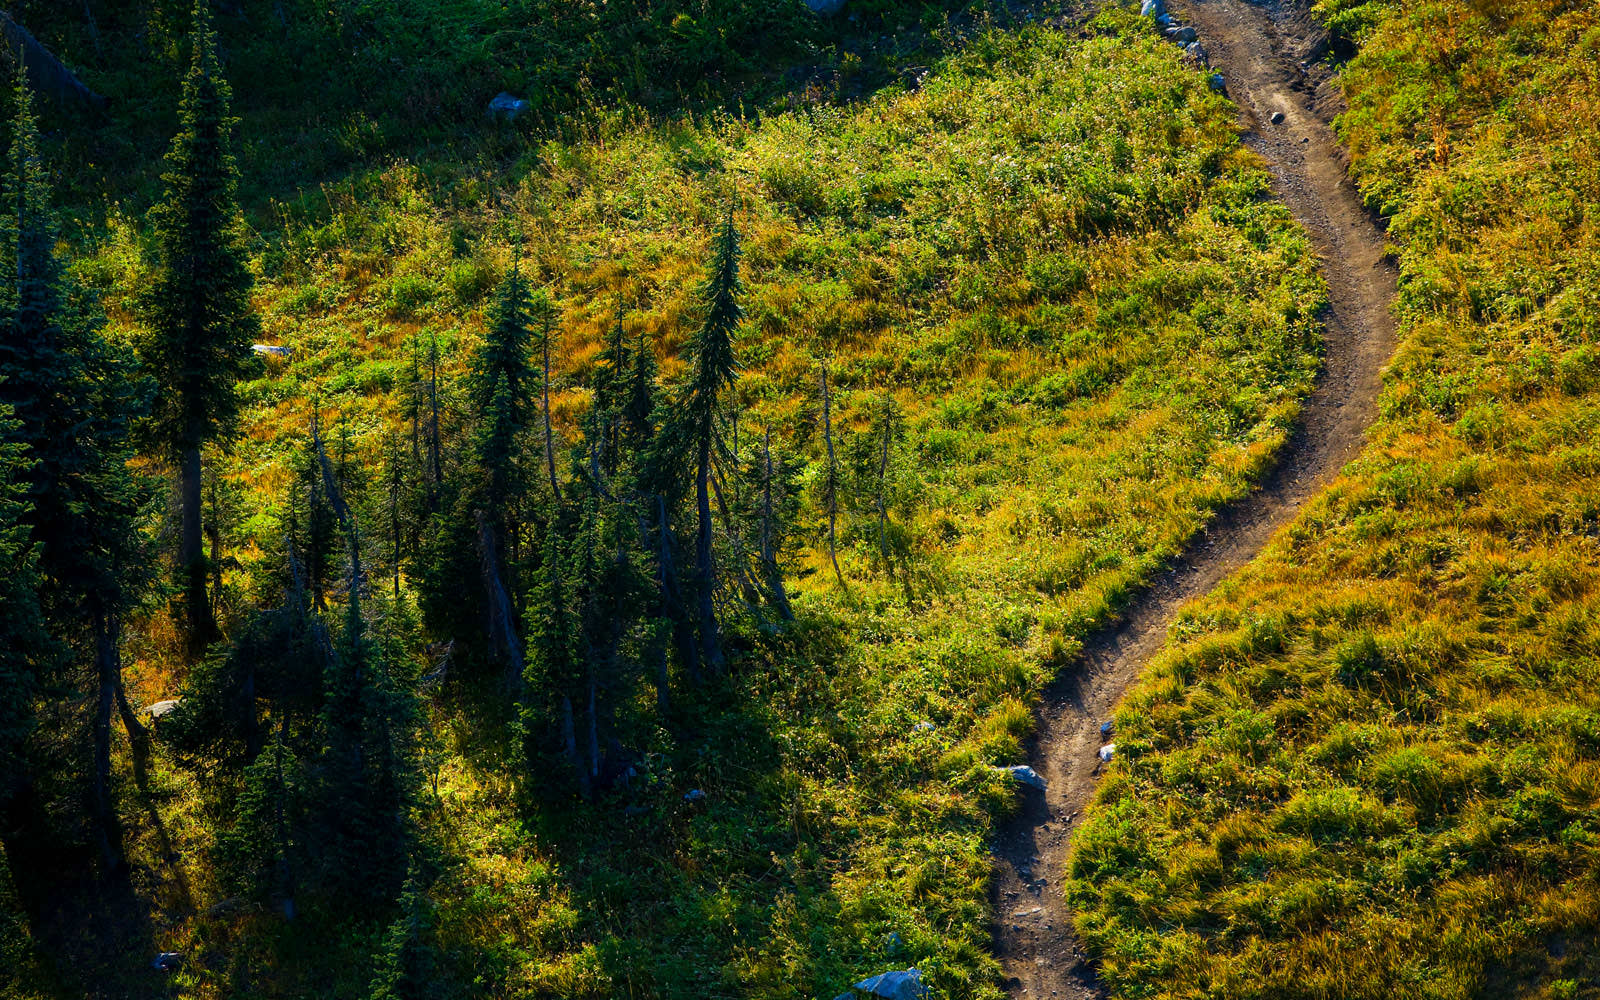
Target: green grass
x,y
1369,765
1058,260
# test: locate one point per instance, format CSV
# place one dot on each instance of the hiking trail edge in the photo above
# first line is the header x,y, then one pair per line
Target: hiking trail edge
x,y
1268,55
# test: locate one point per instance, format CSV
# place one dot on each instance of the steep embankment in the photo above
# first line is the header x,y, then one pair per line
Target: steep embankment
x,y
1259,50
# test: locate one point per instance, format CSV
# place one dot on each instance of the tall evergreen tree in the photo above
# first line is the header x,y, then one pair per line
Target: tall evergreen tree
x,y
555,665
22,637
407,967
198,305
74,395
712,369
638,401
499,384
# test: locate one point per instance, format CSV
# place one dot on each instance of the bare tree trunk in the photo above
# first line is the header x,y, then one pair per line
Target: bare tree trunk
x,y
213,532
569,745
883,488
191,557
107,830
94,29
502,634
395,493
285,863
671,600
252,725
710,638
594,727
663,693
549,439
769,554
46,74
831,482
435,462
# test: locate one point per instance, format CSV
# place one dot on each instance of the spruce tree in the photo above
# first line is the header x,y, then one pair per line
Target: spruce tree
x,y
407,967
22,636
74,395
197,307
712,369
555,665
639,399
499,383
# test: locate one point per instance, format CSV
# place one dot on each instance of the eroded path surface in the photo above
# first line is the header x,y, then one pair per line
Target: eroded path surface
x,y
1263,51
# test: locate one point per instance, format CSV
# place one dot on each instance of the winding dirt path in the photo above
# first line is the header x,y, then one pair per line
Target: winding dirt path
x,y
1260,50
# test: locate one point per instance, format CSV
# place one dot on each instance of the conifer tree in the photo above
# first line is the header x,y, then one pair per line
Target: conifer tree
x,y
74,395
368,767
197,307
712,369
499,384
22,636
639,399
554,670
407,967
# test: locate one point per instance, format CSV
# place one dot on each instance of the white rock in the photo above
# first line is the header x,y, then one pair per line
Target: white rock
x,y
1107,752
1025,775
904,985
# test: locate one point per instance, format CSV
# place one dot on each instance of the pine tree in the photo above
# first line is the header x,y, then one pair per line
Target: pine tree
x,y
74,395
407,967
712,369
554,671
498,386
197,307
22,637
639,399
368,767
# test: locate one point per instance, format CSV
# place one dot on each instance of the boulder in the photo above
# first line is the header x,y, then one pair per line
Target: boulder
x,y
694,795
1277,118
1025,775
1218,83
507,107
163,708
1153,8
167,961
1193,52
1106,727
1182,35
903,985
1107,752
825,8
272,350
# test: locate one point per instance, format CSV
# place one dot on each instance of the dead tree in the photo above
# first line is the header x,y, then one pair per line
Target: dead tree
x,y
46,74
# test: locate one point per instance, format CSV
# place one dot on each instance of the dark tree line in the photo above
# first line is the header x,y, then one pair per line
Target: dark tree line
x,y
72,520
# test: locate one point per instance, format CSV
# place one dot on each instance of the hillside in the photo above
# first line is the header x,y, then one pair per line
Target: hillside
x,y
1366,765
633,546
1033,257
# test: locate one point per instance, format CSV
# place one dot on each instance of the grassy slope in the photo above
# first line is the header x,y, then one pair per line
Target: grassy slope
x,y
1369,765
1058,260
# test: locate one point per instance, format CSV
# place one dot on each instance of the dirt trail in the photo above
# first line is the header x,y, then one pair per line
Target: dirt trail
x,y
1259,50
